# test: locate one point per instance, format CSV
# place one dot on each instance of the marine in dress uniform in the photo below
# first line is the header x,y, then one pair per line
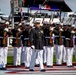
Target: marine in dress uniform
x,y
45,34
58,44
16,43
3,46
74,40
64,49
48,39
6,47
23,51
69,45
37,40
26,45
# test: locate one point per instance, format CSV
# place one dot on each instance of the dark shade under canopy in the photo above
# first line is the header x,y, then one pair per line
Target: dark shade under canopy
x,y
59,3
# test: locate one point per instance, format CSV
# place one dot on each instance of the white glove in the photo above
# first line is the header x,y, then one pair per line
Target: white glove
x,y
33,47
52,28
6,29
19,29
72,31
61,29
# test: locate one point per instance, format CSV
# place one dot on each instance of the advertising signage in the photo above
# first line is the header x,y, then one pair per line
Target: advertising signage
x,y
44,7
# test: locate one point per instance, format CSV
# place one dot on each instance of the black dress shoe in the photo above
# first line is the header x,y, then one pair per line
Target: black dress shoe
x,y
27,67
43,70
64,63
18,66
50,66
37,65
3,69
44,63
70,66
15,66
31,70
22,64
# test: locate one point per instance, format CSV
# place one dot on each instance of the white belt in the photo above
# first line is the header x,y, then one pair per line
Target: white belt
x,y
1,37
47,37
26,38
74,37
63,36
67,38
15,38
56,36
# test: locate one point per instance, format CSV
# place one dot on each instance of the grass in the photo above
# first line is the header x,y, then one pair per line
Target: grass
x,y
10,60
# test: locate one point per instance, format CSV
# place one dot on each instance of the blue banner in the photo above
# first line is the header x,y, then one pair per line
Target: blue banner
x,y
45,7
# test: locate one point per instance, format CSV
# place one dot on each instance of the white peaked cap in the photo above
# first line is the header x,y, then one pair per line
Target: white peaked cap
x,y
28,23
16,23
37,21
58,23
7,23
45,22
73,25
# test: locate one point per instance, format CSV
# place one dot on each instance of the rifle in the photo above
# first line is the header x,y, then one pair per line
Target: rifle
x,y
71,41
29,44
60,38
17,37
4,38
51,40
75,30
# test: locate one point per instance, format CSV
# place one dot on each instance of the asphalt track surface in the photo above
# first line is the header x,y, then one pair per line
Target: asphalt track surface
x,y
56,70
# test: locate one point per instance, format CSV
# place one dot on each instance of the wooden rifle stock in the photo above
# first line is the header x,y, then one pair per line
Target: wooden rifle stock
x,y
51,40
71,41
29,43
4,38
17,37
75,30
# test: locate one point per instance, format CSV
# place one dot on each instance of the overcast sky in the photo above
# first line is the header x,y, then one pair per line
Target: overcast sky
x,y
5,5
72,4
